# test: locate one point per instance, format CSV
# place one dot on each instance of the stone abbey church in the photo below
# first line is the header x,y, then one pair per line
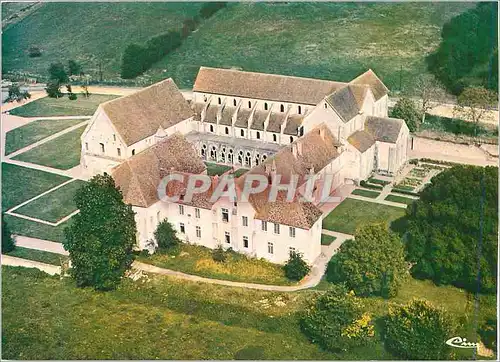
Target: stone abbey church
x,y
260,122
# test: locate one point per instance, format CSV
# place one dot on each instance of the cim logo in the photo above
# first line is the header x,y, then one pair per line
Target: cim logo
x,y
460,342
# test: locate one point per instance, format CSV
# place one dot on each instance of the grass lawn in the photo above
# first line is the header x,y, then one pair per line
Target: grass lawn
x,y
215,169
50,107
353,37
197,260
240,172
400,199
38,255
327,239
167,318
366,193
351,214
458,127
62,152
35,229
35,131
55,205
20,184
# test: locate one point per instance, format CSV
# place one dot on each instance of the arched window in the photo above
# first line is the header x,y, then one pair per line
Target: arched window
x,y
249,104
102,147
234,102
242,132
133,152
258,135
227,130
220,100
275,138
204,98
211,128
300,109
291,139
326,105
265,106
282,108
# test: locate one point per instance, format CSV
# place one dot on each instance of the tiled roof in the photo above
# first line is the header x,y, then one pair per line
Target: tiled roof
x,y
370,79
317,151
384,129
138,177
200,199
263,86
292,124
346,102
140,114
276,119
361,140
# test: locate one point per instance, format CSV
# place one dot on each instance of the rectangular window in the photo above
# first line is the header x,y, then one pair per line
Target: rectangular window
x,y
291,250
119,151
198,232
86,146
225,215
182,228
264,225
270,248
245,241
227,237
114,137
197,213
244,220
292,232
276,228
102,147
181,209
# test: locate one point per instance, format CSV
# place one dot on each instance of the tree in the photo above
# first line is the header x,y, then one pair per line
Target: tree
x,y
74,68
188,26
85,90
53,89
452,230
406,109
336,321
16,94
417,331
474,102
371,264
488,333
132,61
57,72
430,91
8,243
219,254
296,268
101,236
166,236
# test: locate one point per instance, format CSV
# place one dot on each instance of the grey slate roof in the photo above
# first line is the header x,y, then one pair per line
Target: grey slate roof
x,y
292,124
384,129
370,79
361,140
345,103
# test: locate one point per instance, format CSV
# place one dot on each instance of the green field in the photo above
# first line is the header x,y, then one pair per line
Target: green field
x,y
198,260
215,169
20,184
35,131
400,199
327,239
37,255
285,38
62,152
48,318
351,214
53,107
35,229
366,193
90,33
54,205
282,38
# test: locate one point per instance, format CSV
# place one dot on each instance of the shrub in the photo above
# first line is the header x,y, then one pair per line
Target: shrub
x,y
413,161
296,268
8,243
405,192
188,26
132,61
250,353
417,331
335,320
377,181
72,96
363,183
219,255
53,89
166,236
371,264
406,110
488,333
34,52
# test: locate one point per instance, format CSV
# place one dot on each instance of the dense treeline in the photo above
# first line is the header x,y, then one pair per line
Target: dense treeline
x,y
137,59
452,230
468,53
